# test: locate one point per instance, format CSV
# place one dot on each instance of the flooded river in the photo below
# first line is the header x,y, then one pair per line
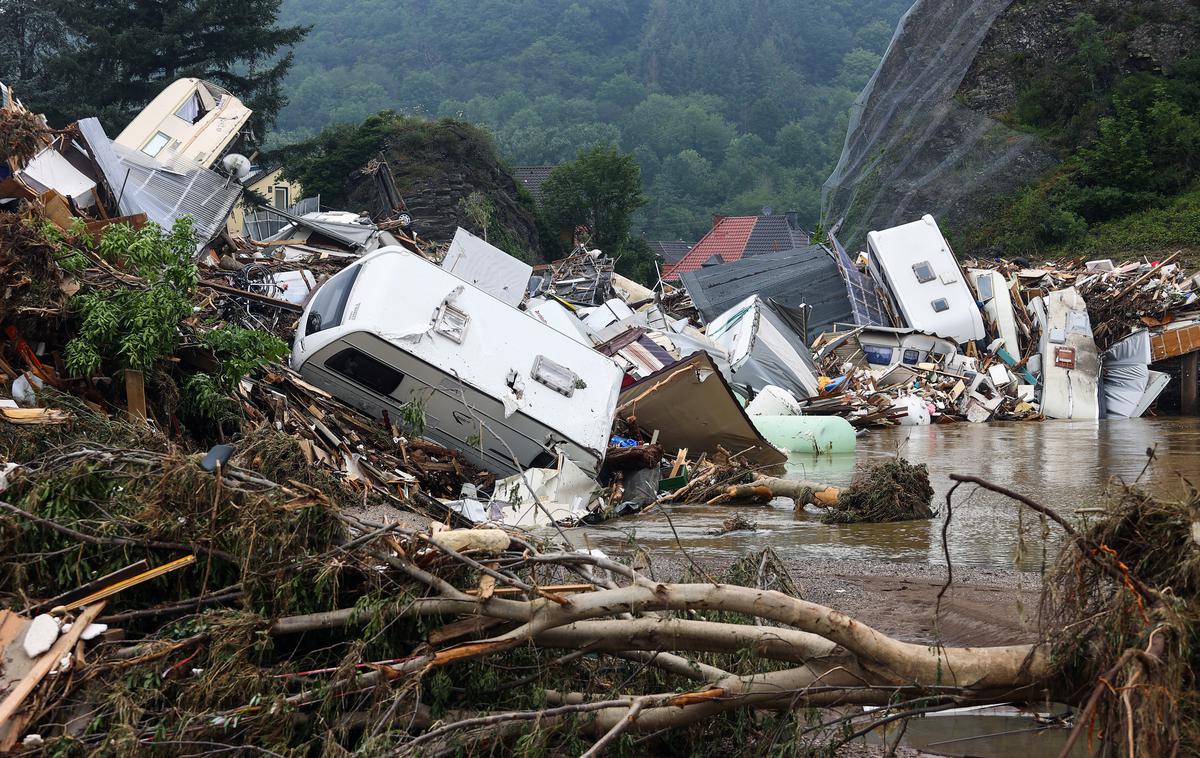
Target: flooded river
x,y
1065,465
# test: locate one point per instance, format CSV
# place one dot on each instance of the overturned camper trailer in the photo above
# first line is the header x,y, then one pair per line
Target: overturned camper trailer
x,y
994,295
1069,358
764,348
506,389
924,280
193,119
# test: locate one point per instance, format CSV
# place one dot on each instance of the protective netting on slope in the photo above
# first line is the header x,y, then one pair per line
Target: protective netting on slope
x,y
911,147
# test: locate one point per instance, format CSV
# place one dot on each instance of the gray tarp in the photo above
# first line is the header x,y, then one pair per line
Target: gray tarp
x,y
807,276
1125,372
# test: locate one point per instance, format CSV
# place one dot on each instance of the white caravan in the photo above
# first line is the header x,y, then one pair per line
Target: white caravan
x,y
924,280
993,292
507,390
1070,360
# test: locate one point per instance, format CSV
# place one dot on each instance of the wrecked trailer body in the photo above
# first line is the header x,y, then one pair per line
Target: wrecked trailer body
x,y
764,348
1070,360
692,407
924,280
393,334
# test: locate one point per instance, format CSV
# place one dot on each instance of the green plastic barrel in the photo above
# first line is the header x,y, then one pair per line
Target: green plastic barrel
x,y
807,434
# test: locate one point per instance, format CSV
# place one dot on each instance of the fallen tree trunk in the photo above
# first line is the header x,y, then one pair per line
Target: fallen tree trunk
x,y
800,492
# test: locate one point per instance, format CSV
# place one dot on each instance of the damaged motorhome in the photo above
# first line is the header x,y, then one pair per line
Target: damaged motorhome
x,y
765,347
924,280
192,119
393,334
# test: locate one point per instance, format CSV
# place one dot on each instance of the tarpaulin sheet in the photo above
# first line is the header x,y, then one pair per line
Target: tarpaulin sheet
x,y
692,407
1125,374
763,349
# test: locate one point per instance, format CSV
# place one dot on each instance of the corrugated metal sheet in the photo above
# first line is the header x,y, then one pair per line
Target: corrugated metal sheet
x,y
164,191
806,276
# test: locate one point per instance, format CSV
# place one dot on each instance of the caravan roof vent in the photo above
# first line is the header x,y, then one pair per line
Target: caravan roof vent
x,y
555,376
924,272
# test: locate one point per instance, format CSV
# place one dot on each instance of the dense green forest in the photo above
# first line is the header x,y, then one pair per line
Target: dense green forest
x,y
727,106
1130,178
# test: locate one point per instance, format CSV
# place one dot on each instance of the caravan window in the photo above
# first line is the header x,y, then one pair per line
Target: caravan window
x,y
911,357
192,109
984,285
878,355
330,302
924,272
365,370
156,144
939,305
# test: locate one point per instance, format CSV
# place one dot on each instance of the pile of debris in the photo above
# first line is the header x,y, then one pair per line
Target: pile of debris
x,y
928,340
441,373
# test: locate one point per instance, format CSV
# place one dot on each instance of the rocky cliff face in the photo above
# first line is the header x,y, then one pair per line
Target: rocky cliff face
x,y
436,165
931,132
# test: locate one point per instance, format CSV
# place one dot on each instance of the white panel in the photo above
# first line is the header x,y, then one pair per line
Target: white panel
x,y
487,267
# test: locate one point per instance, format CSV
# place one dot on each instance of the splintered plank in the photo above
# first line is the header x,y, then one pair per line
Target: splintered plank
x,y
1175,342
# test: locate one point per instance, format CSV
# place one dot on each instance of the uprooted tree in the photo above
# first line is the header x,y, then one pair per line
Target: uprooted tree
x,y
305,626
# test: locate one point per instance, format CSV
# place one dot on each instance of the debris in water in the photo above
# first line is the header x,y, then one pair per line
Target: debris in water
x,y
892,491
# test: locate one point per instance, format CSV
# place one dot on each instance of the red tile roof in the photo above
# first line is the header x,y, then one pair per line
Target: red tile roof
x,y
726,239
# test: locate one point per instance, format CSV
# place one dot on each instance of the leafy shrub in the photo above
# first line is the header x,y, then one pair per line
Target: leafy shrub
x,y
239,352
135,326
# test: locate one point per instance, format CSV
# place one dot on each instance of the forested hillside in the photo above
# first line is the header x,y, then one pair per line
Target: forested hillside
x,y
1041,127
727,105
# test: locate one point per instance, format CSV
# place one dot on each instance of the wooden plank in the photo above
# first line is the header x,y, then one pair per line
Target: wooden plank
x,y
34,415
96,228
84,590
135,394
680,458
264,299
1175,342
57,209
46,661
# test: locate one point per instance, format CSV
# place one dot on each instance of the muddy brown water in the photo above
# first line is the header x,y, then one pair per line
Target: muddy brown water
x,y
1066,465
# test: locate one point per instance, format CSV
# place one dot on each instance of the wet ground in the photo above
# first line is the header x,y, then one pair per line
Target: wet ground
x,y
1062,464
889,575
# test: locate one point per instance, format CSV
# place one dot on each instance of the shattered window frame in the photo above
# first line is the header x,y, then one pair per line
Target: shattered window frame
x,y
985,288
192,104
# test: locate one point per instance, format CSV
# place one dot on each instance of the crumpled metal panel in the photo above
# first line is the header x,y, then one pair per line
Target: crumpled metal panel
x,y
164,191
